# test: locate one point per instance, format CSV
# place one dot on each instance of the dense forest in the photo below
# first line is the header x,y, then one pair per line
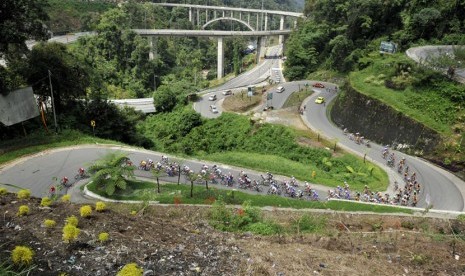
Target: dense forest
x,y
338,33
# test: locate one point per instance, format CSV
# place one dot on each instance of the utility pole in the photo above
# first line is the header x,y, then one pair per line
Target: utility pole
x,y
53,101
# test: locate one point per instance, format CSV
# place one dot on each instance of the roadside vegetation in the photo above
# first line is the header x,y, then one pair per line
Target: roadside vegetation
x,y
237,140
180,194
418,92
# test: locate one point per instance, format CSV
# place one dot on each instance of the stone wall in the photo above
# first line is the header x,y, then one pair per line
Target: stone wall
x,y
379,122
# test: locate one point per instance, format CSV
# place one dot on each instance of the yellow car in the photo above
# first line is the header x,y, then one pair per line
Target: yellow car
x,y
320,100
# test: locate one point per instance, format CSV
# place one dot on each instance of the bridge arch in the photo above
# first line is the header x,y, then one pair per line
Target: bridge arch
x,y
228,18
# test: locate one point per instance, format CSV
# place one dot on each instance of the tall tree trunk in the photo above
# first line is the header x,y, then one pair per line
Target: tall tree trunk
x,y
179,173
206,184
158,185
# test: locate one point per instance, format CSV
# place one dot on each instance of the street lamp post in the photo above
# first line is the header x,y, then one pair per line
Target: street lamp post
x,y
53,101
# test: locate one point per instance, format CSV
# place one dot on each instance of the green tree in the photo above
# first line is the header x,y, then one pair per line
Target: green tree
x,y
164,99
69,76
157,173
21,20
192,177
111,172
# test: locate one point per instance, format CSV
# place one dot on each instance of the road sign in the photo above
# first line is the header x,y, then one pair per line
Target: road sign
x,y
92,123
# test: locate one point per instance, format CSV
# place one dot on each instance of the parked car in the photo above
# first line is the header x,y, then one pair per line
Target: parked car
x,y
227,92
318,85
320,100
280,89
212,98
213,109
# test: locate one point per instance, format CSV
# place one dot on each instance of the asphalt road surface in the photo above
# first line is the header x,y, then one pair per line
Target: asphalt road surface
x,y
439,187
38,173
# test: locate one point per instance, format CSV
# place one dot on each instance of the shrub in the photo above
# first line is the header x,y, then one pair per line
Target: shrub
x,y
3,191
23,210
130,270
72,220
22,255
461,218
86,211
100,206
24,194
263,228
103,237
309,224
49,223
46,201
133,212
70,233
66,198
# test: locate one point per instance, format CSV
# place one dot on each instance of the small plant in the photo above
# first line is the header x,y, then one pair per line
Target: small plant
x,y
23,210
130,269
461,218
49,223
70,233
86,211
133,212
46,201
72,220
24,194
103,237
22,255
100,206
3,191
66,198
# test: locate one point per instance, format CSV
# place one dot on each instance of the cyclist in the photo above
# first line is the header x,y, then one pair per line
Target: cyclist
x,y
64,181
81,171
52,190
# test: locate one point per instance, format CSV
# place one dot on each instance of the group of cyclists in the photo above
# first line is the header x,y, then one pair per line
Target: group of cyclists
x,y
65,183
357,138
407,195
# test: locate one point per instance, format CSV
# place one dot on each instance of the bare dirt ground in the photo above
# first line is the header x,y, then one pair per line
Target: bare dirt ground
x,y
178,240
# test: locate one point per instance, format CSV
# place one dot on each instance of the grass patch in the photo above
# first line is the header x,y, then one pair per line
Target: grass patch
x,y
240,102
180,194
303,172
295,99
428,107
41,141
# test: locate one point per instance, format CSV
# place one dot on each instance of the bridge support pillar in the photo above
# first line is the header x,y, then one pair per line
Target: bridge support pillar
x,y
198,17
258,26
190,15
214,14
223,14
258,50
266,22
206,16
220,66
248,18
240,15
281,27
153,48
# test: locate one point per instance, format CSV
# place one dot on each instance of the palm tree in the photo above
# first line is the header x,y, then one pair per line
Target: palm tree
x,y
111,172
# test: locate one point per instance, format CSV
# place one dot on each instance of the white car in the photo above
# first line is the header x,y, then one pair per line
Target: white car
x,y
280,89
227,92
212,98
213,109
